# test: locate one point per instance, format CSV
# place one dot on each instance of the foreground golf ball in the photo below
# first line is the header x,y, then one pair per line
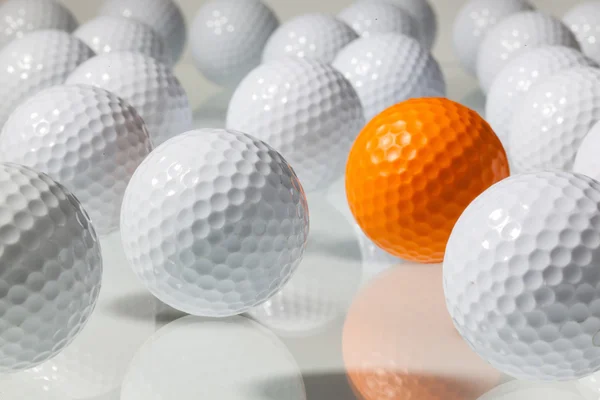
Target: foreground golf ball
x,y
84,137
110,34
51,268
516,34
474,20
521,272
228,38
584,21
146,84
424,15
552,120
164,16
520,75
587,161
371,65
18,17
313,36
214,222
306,110
414,168
35,62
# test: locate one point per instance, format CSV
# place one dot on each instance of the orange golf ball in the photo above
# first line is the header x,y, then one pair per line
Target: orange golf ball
x,y
414,169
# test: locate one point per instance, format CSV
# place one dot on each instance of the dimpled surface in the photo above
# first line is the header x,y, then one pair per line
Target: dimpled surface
x,y
18,17
372,17
84,137
146,84
214,222
552,120
587,161
424,15
520,75
107,34
521,275
474,20
314,36
584,21
371,65
51,268
306,110
517,34
414,168
228,38
35,62
164,16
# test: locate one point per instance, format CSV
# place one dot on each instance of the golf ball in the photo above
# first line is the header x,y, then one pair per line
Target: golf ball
x,y
584,21
371,65
214,222
424,15
313,36
521,272
145,83
51,268
587,161
306,110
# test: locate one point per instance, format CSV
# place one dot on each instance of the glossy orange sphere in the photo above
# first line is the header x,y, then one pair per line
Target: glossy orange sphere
x,y
414,169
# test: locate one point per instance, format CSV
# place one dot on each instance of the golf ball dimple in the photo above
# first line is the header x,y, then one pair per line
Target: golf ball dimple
x,y
371,65
145,83
424,14
51,268
228,37
521,272
306,110
317,37
584,21
84,137
214,222
514,35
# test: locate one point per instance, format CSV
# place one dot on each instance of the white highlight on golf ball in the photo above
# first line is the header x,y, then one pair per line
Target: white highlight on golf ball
x,y
584,21
424,15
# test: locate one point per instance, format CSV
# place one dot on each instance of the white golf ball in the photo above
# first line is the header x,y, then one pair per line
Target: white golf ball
x,y
521,275
306,110
552,120
145,83
587,161
164,16
424,15
520,75
51,267
228,37
514,35
214,222
84,137
313,36
584,21
368,18
474,20
18,17
371,65
110,34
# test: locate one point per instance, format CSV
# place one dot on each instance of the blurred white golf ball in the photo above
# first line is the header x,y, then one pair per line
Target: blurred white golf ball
x,y
587,161
424,15
306,110
228,37
584,21
51,268
214,222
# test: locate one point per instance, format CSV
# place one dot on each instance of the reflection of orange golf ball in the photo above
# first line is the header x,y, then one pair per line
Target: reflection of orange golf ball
x,y
414,169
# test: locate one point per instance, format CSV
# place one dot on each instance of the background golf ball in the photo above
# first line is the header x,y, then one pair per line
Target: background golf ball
x,y
521,272
517,34
306,110
314,36
214,222
474,20
587,161
371,65
378,16
411,172
584,21
520,75
553,118
51,268
35,62
228,38
84,137
424,15
108,34
146,84
18,17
